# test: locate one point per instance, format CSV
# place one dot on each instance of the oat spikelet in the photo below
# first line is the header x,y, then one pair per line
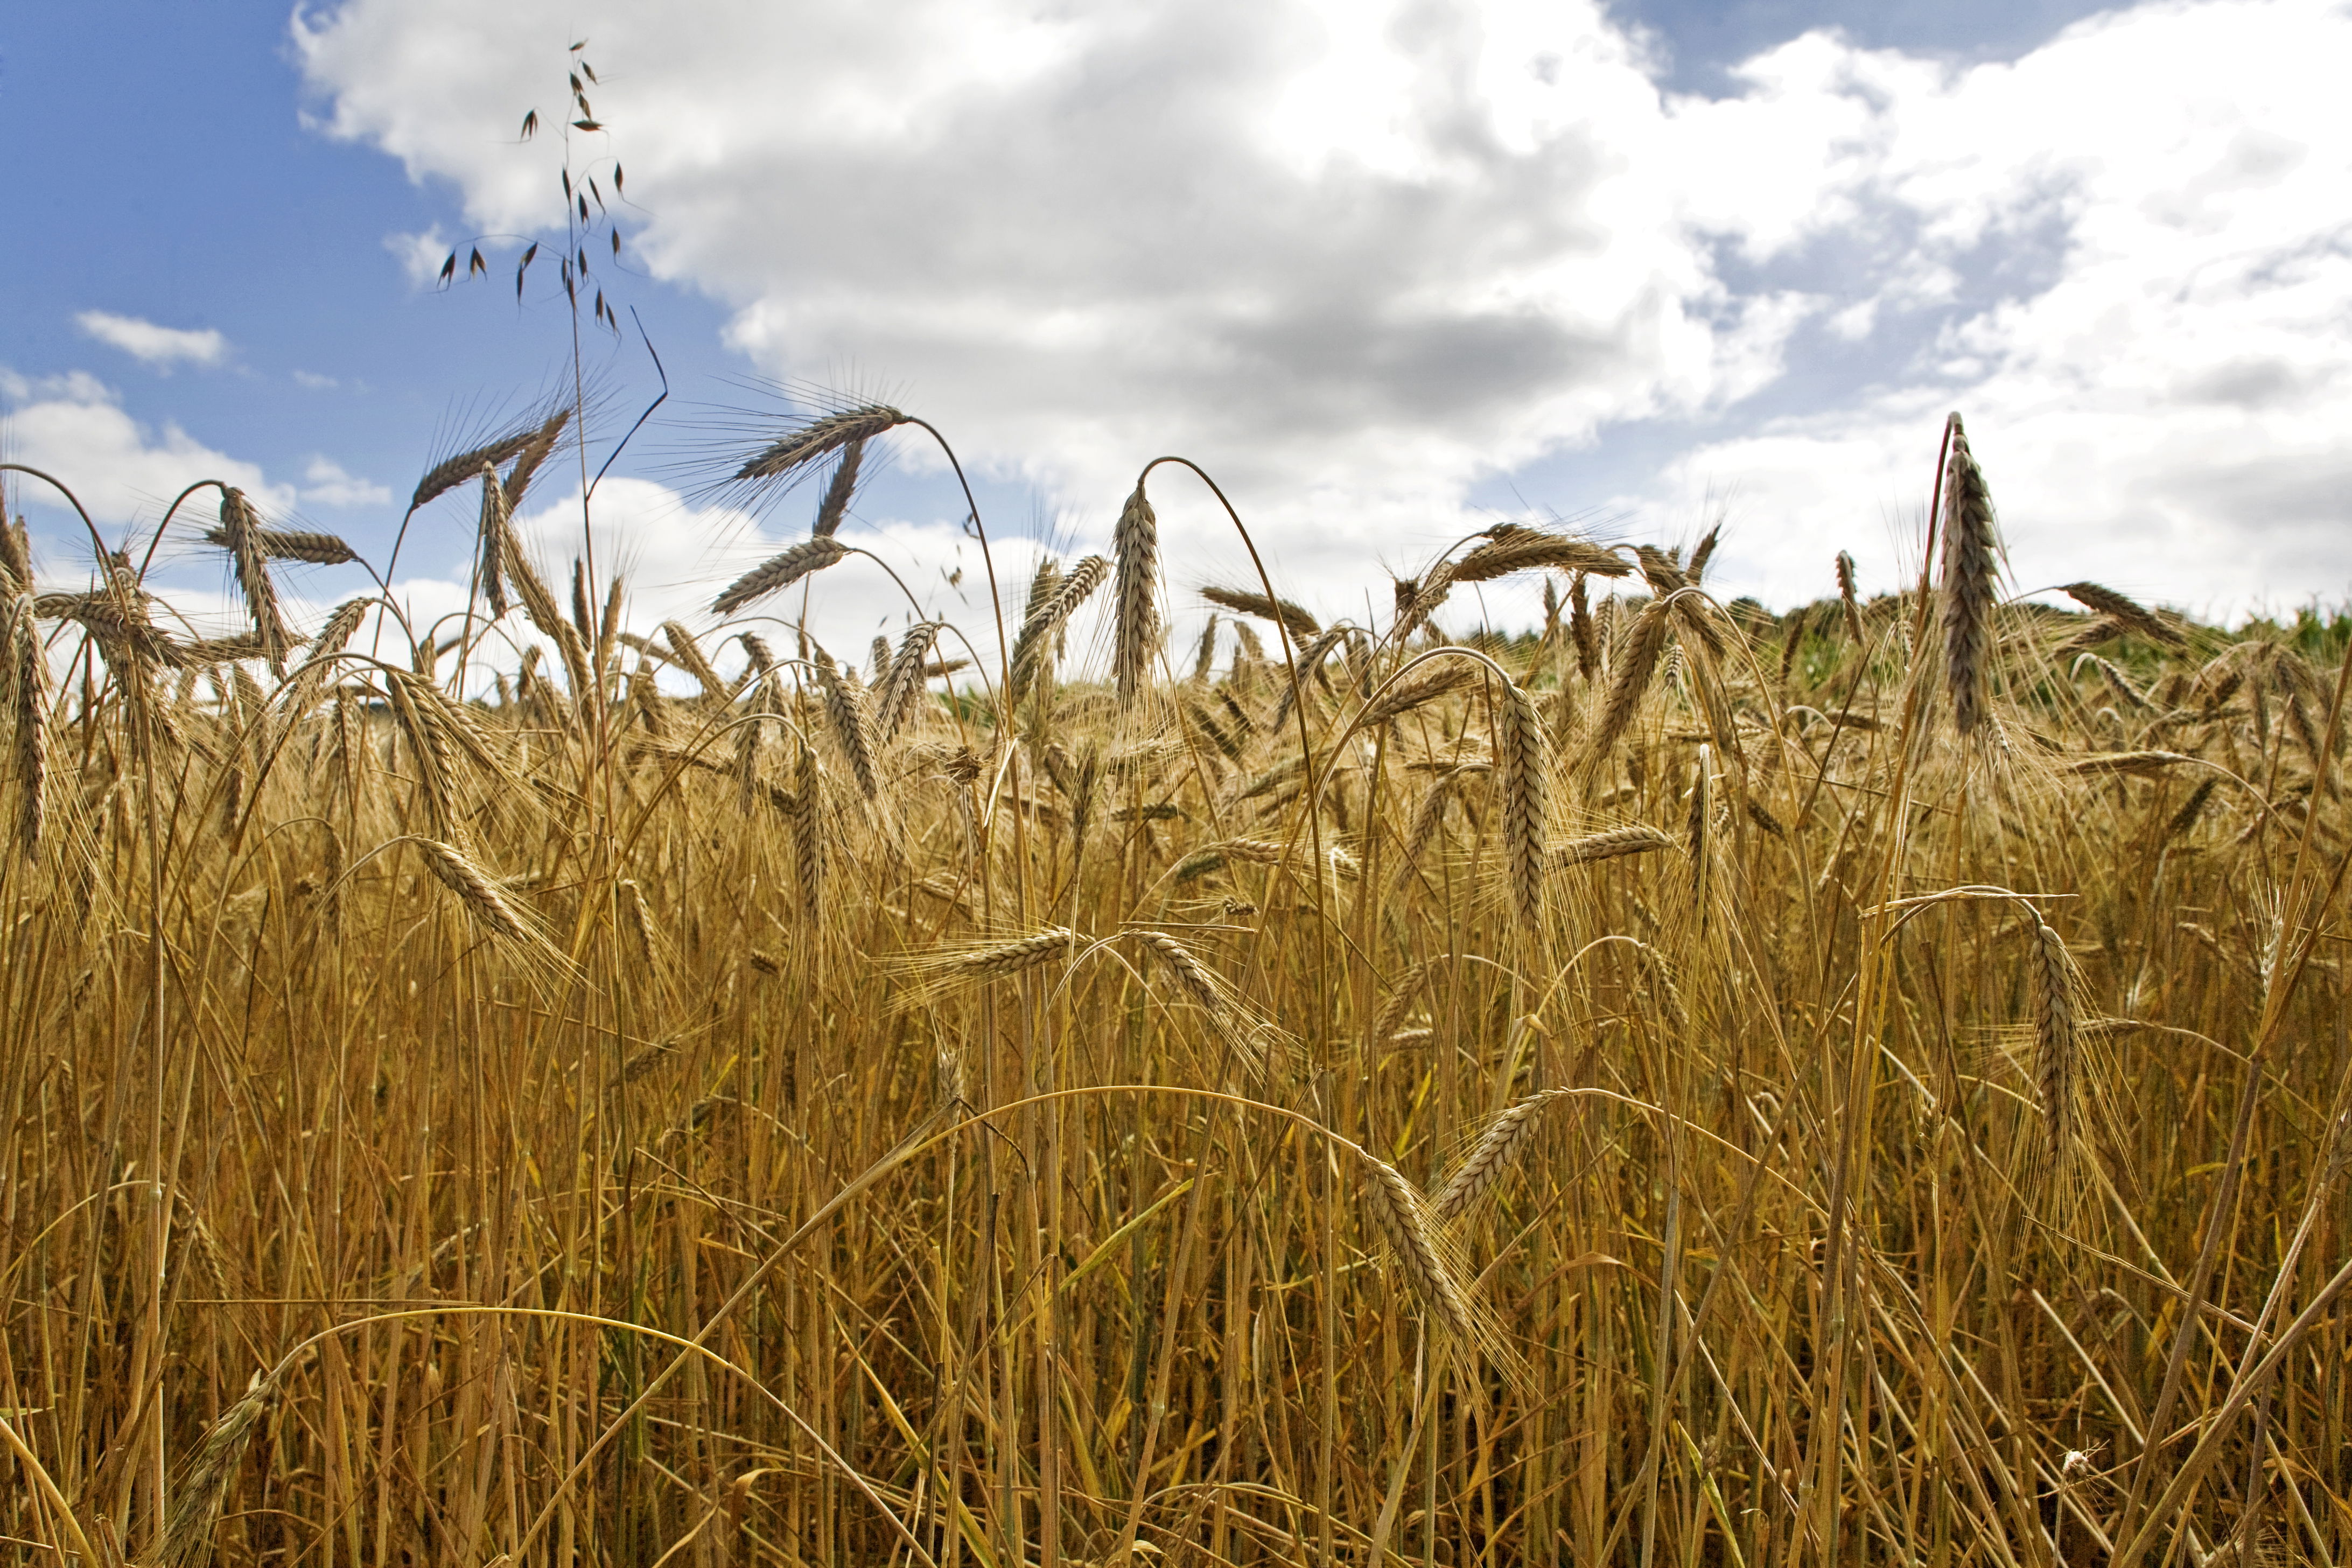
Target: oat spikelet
x,y
838,490
1501,1144
474,889
1302,625
1969,566
1638,839
2057,1048
818,439
778,572
2127,612
1136,615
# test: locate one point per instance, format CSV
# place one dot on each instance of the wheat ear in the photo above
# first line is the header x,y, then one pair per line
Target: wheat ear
x,y
1635,663
1136,634
1520,768
186,1538
853,727
1503,1142
28,673
474,889
690,656
1968,565
1403,1219
450,472
2057,1045
1301,625
2128,614
817,439
1637,840
1581,630
1848,605
778,572
838,490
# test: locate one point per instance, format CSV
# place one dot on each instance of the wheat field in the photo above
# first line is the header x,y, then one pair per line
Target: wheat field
x,y
1685,1085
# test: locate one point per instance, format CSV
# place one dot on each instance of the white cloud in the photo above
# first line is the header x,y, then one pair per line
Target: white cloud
x,y
324,483
419,255
314,382
1357,257
72,426
160,347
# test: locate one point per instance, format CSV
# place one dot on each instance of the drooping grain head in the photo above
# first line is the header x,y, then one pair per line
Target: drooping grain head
x,y
2057,1047
1969,561
1135,614
839,488
1522,769
779,571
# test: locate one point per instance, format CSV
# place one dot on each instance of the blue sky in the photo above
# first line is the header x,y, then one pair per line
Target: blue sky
x,y
1391,270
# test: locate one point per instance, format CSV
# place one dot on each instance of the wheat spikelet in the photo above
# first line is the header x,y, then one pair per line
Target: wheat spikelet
x,y
1702,552
535,452
1512,547
690,656
1848,605
27,689
1012,957
808,833
1635,666
1638,839
1581,630
1489,1159
15,556
1403,1220
853,728
2140,762
492,539
475,890
239,529
838,490
1521,769
1402,697
2057,1048
779,571
1301,625
1247,1037
817,439
1968,565
450,472
1053,601
2125,613
186,1538
2191,810
1135,614
288,545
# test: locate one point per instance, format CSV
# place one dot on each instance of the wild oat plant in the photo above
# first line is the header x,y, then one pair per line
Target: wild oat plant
x,y
1695,1086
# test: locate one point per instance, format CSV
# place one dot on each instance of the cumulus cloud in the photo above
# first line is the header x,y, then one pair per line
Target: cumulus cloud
x,y
324,483
161,347
1358,258
74,426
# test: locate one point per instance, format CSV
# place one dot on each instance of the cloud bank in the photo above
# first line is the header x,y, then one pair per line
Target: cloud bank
x,y
1359,260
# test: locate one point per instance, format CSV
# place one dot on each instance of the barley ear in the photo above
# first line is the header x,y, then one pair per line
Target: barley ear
x,y
186,1538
